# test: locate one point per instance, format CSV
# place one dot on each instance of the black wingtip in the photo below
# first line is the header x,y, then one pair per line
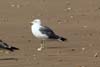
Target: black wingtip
x,y
63,39
15,48
12,49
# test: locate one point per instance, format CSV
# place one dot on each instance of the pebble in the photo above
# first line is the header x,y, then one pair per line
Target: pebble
x,y
83,49
71,17
85,26
69,8
12,5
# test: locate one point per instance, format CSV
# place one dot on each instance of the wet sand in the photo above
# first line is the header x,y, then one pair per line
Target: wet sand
x,y
76,20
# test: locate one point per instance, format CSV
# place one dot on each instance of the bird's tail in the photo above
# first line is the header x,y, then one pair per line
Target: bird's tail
x,y
12,49
62,39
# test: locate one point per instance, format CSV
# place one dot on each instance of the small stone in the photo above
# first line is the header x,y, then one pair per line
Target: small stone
x,y
71,17
83,49
69,8
12,5
85,26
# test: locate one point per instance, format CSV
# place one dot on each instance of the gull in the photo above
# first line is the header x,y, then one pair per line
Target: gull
x,y
5,46
44,33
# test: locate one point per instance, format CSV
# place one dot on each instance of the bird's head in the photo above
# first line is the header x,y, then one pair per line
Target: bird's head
x,y
36,21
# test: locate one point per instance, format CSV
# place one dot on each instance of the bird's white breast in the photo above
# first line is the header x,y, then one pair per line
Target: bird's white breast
x,y
37,33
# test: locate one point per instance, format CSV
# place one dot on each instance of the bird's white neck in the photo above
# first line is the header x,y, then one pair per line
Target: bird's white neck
x,y
36,25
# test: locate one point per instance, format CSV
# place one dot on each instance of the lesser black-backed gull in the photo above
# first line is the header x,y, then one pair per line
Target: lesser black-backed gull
x,y
5,46
44,33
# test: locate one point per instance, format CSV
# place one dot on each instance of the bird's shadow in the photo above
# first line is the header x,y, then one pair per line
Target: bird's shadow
x,y
55,47
9,59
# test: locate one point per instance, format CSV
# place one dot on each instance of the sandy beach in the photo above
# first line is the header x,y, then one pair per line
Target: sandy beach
x,y
76,20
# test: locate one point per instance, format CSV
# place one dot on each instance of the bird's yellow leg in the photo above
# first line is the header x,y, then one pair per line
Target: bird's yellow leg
x,y
41,45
